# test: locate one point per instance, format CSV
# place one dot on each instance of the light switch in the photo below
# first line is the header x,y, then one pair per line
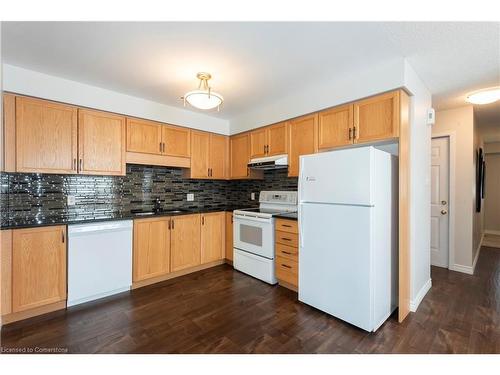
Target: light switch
x,y
252,196
71,200
190,197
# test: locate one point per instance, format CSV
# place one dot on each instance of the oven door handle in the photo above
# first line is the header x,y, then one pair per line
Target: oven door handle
x,y
238,217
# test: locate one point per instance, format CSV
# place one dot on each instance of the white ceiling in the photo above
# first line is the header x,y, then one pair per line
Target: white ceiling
x,y
253,63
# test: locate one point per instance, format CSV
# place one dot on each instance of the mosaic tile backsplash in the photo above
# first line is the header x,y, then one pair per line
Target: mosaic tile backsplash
x,y
45,195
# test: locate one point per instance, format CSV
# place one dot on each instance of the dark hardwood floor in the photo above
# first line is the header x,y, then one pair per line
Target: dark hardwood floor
x,y
223,311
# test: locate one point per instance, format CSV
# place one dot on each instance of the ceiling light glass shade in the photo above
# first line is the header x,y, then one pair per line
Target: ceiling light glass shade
x,y
485,96
204,99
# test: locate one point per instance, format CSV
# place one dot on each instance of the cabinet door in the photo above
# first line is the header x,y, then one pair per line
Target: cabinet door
x,y
101,143
144,136
229,236
46,136
177,141
277,140
335,127
212,237
200,145
151,248
185,242
258,143
38,267
377,118
302,141
240,151
217,157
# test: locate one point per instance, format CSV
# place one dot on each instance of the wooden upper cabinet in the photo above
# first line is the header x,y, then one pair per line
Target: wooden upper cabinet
x,y
240,155
151,248
200,146
213,237
303,132
335,127
268,141
377,118
258,143
176,141
38,267
218,156
46,136
144,136
101,143
185,242
277,140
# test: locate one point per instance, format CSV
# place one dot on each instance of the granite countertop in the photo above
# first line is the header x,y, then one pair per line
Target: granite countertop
x,y
289,216
100,217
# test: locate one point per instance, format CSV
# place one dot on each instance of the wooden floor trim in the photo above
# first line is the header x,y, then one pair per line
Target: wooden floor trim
x,y
172,275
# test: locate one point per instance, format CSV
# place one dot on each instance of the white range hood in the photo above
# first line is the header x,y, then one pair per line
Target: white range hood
x,y
269,162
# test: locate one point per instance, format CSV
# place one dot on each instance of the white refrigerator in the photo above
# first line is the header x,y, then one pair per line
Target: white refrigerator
x,y
348,229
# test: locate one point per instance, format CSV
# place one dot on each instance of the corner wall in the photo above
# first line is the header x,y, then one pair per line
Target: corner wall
x,y
29,82
460,121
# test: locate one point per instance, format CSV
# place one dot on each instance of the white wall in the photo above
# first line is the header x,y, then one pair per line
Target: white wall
x,y
460,121
328,93
420,191
28,82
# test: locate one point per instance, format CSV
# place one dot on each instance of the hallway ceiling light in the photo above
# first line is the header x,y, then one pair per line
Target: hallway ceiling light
x,y
204,97
485,96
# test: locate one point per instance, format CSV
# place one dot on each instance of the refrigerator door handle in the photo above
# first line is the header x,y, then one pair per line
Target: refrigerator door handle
x,y
301,230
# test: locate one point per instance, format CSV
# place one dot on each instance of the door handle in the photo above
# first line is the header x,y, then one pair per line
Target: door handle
x,y
444,212
443,202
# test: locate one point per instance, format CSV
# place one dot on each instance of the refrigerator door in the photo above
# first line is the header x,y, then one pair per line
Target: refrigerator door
x,y
334,258
342,176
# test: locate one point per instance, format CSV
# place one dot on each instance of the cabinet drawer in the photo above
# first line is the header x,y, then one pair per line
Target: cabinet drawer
x,y
285,238
289,226
288,252
287,270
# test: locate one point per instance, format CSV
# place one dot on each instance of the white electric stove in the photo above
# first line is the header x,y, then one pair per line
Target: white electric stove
x,y
253,230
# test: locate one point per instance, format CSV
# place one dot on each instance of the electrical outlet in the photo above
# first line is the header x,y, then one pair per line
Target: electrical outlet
x,y
71,200
190,197
252,196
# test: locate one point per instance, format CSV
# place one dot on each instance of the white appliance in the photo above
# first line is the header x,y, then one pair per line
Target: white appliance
x,y
348,225
269,162
99,260
253,233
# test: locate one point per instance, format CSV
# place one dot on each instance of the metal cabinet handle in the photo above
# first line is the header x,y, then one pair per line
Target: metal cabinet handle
x,y
173,224
203,220
286,225
286,239
286,252
169,224
286,266
160,147
62,235
74,164
81,164
354,133
350,133
164,147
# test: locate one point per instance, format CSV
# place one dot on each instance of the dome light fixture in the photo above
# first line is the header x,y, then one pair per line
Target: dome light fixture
x,y
485,96
203,98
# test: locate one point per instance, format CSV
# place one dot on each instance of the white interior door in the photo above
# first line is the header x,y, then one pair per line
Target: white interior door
x,y
439,201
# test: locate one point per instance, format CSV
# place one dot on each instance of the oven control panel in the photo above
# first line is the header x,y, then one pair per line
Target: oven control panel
x,y
278,197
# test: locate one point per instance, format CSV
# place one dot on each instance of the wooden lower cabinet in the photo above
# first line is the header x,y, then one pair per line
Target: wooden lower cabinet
x,y
185,242
213,241
151,248
229,236
38,267
287,253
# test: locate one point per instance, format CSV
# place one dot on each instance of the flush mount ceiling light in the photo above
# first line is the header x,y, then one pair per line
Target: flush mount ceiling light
x,y
485,96
204,97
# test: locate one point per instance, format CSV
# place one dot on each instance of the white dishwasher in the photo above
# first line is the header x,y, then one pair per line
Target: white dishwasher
x,y
99,260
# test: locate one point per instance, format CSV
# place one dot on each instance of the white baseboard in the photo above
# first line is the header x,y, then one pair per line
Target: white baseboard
x,y
420,296
468,269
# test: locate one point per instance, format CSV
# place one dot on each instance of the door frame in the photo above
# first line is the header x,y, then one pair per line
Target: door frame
x,y
451,135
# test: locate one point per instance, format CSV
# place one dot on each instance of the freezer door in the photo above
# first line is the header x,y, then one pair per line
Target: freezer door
x,y
334,259
342,176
